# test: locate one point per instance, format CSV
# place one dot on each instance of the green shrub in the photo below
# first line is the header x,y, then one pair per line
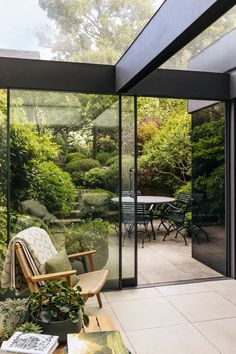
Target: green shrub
x,y
96,178
107,143
53,188
28,148
111,160
102,157
84,236
20,222
74,156
82,165
94,204
187,188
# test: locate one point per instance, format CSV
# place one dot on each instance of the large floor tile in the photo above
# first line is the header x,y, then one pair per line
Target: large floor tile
x,y
221,333
203,306
183,289
164,273
146,313
132,294
222,284
182,339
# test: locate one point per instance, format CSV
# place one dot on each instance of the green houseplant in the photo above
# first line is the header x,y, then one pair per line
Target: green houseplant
x,y
58,309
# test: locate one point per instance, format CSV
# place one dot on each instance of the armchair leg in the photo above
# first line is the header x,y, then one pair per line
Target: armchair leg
x,y
99,300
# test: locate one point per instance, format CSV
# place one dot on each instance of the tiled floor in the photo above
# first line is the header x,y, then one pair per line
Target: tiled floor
x,y
198,318
165,261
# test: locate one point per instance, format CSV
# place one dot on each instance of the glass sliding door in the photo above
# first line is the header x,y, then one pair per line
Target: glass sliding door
x,y
65,172
128,191
3,182
208,186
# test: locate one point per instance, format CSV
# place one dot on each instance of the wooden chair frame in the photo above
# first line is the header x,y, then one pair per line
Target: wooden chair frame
x,y
34,280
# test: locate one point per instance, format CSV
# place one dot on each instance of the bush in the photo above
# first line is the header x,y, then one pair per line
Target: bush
x,y
95,204
106,143
187,188
53,188
96,178
102,157
82,165
111,160
74,156
83,236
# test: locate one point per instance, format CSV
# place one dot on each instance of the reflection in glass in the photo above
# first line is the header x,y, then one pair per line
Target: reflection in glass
x,y
208,182
64,171
78,30
182,59
3,180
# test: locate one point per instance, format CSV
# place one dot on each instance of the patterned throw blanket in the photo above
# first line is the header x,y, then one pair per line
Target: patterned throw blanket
x,y
37,247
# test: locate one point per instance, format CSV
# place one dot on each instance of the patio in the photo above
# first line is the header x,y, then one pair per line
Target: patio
x,y
190,318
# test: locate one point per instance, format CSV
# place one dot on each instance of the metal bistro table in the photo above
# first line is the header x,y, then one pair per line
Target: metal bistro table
x,y
146,199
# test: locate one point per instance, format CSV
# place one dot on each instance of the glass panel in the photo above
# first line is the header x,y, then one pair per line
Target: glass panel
x,y
64,172
3,182
188,57
77,30
128,188
208,183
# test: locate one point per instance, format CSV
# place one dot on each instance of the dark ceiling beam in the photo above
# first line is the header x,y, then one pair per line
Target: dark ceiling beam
x,y
54,75
174,25
184,84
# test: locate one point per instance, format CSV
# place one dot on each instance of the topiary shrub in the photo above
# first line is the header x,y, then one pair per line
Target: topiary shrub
x,y
96,178
95,204
74,156
102,157
82,165
111,160
53,188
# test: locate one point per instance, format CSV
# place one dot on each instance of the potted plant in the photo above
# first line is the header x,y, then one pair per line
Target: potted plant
x,y
58,309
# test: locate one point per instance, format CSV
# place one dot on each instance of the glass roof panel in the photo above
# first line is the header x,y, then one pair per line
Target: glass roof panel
x,y
91,31
206,52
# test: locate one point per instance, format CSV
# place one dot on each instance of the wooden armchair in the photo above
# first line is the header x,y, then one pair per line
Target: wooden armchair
x,y
91,282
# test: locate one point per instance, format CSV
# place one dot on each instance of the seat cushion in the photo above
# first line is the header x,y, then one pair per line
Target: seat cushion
x,y
60,263
92,282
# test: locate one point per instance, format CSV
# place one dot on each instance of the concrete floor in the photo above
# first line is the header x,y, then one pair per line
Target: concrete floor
x,y
178,319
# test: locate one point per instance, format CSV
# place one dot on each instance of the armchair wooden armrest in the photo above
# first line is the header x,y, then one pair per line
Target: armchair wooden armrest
x,y
89,254
53,276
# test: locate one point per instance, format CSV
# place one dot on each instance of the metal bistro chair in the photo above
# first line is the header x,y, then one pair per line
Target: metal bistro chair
x,y
128,220
174,216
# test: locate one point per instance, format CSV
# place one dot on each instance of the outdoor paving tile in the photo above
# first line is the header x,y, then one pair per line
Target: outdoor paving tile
x,y
181,339
146,313
203,306
222,284
221,333
162,273
132,294
183,289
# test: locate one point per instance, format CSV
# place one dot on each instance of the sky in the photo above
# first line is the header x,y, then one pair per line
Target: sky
x,y
20,21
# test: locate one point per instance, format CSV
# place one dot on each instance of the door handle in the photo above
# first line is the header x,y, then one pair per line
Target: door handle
x,y
131,182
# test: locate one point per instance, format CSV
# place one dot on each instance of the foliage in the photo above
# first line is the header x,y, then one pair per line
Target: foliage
x,y
3,235
56,301
28,149
107,144
30,327
95,31
146,129
111,160
103,156
21,222
53,188
14,315
74,156
166,157
84,236
94,204
96,178
82,165
209,160
187,188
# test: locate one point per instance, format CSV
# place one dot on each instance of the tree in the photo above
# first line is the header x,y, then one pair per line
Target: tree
x,y
97,31
166,158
